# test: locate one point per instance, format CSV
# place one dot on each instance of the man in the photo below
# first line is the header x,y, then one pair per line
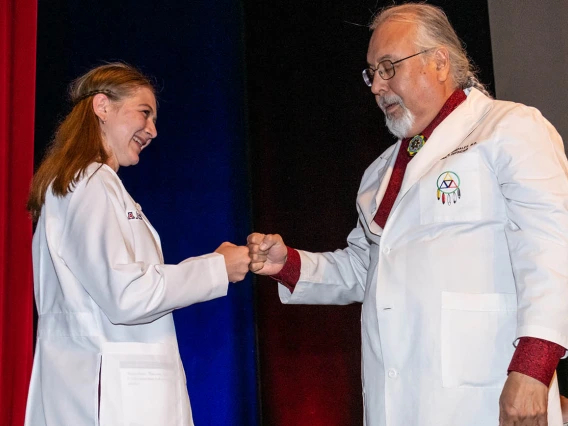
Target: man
x,y
461,247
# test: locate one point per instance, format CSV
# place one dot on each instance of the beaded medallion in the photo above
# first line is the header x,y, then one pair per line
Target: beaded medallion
x,y
415,144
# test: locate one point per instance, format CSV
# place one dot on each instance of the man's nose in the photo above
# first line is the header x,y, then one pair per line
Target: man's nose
x,y
379,86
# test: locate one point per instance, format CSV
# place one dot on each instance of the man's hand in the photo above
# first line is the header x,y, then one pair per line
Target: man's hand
x,y
523,402
236,260
564,405
267,253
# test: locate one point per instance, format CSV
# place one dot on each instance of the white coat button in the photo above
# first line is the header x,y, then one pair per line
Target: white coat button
x,y
386,250
392,373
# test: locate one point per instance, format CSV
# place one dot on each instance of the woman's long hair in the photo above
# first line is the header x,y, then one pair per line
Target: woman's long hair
x,y
78,141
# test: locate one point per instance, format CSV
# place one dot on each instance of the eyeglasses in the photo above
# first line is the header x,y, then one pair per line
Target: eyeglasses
x,y
385,69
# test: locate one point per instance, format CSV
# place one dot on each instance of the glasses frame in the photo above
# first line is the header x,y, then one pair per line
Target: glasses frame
x,y
369,81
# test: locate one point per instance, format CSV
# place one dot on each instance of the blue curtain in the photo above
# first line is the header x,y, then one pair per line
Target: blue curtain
x,y
192,182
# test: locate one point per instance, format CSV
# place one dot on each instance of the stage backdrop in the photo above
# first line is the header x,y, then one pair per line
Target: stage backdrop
x,y
192,180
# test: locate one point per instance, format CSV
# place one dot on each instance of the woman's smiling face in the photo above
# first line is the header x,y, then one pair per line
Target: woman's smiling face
x,y
128,127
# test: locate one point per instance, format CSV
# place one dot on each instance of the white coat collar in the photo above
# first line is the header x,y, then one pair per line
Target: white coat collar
x,y
449,134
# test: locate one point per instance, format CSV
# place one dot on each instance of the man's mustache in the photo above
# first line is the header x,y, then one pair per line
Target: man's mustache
x,y
386,100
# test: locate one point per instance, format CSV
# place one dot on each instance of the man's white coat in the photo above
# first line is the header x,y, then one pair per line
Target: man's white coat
x,y
454,278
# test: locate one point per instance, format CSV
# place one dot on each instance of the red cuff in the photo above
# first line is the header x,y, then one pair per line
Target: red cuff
x,y
290,272
536,358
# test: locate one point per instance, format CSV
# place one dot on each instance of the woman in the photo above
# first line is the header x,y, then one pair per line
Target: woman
x,y
106,348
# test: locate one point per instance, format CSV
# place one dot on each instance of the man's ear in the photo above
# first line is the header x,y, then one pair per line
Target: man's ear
x,y
101,106
442,60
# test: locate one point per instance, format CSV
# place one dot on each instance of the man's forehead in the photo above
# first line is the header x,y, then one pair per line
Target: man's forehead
x,y
390,40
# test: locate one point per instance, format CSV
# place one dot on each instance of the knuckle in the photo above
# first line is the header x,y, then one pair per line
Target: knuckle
x,y
506,411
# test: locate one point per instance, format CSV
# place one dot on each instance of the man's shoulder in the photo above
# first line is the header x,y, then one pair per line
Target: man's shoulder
x,y
501,107
508,115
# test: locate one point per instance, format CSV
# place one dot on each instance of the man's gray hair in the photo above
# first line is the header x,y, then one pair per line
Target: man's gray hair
x,y
434,30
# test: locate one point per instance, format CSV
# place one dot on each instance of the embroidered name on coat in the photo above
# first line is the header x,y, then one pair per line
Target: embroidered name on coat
x,y
133,215
459,150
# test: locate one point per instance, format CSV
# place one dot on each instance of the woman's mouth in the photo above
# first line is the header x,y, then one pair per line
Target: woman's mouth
x,y
138,141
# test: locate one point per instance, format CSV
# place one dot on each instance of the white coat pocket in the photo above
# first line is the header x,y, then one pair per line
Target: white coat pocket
x,y
477,334
140,385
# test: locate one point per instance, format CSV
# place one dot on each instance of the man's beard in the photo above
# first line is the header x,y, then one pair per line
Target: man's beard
x,y
400,127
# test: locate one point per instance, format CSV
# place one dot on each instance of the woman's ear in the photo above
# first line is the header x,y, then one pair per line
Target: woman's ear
x,y
101,106
442,60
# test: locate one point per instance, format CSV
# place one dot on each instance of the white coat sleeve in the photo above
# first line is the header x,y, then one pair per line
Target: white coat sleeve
x,y
98,246
533,174
332,278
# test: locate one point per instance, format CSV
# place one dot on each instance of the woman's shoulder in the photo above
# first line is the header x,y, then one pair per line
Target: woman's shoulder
x,y
99,177
102,171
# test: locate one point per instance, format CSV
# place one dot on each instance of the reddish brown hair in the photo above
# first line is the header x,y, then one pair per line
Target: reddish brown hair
x,y
78,141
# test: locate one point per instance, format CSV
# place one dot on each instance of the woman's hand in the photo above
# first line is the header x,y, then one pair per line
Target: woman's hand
x,y
237,260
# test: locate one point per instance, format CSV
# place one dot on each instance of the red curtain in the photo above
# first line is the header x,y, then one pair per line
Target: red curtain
x,y
18,23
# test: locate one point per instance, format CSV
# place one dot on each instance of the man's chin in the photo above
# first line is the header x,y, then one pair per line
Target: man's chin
x,y
392,115
395,128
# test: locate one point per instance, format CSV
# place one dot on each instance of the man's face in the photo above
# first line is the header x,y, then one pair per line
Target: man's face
x,y
412,98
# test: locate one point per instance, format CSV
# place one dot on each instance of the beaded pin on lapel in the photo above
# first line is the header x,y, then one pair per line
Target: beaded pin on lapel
x,y
415,144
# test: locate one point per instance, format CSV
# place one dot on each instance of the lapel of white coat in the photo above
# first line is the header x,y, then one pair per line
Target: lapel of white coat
x,y
154,234
449,134
374,185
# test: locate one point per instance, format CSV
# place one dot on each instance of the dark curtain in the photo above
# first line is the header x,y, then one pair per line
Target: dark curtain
x,y
17,91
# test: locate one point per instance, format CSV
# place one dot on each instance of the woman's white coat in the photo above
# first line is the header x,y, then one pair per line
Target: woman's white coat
x,y
104,298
